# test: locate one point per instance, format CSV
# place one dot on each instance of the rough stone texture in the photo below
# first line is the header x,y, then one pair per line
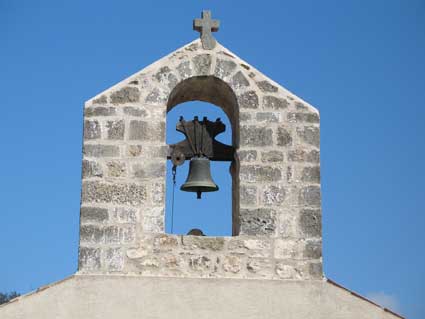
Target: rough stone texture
x,y
275,187
125,95
272,102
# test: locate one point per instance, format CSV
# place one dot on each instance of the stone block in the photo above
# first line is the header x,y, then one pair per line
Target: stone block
x,y
96,150
271,156
248,100
267,117
91,169
166,77
124,215
165,242
256,136
313,250
284,138
100,100
115,129
156,96
245,116
153,224
120,234
99,111
310,196
100,192
232,264
89,259
259,267
310,222
116,169
201,242
127,94
285,270
250,247
92,130
91,234
224,68
133,111
201,263
303,117
202,64
158,193
266,86
93,215
301,155
315,270
184,69
145,131
257,222
289,249
134,150
247,156
114,259
256,173
239,81
311,174
274,195
310,135
272,102
248,195
148,171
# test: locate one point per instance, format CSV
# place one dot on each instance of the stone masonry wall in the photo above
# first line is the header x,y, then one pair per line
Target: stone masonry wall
x,y
277,192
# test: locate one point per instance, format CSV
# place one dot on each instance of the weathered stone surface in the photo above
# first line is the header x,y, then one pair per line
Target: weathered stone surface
x,y
256,173
248,100
272,102
300,106
247,156
147,171
311,174
158,193
166,77
127,94
266,86
289,249
89,259
287,271
99,192
145,131
122,234
284,138
133,111
200,242
272,156
116,169
114,259
184,69
257,222
300,155
124,215
232,264
303,117
244,117
251,247
156,97
224,68
91,169
92,130
93,215
115,130
134,150
202,64
274,195
165,242
310,135
94,150
91,234
248,195
310,195
267,117
256,136
310,222
315,270
239,81
313,250
153,224
200,263
99,111
100,100
259,266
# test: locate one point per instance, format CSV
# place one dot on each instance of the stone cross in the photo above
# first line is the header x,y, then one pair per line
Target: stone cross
x,y
205,26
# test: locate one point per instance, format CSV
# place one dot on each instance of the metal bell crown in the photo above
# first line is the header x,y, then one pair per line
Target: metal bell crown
x,y
199,179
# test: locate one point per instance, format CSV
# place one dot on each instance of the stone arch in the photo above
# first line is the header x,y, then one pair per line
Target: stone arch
x,y
214,90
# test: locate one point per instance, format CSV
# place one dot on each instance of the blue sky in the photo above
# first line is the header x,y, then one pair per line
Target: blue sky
x,y
361,63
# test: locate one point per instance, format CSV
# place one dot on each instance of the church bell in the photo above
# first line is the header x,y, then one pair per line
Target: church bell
x,y
199,179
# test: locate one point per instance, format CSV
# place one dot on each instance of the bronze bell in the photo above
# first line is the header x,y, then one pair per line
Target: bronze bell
x,y
199,179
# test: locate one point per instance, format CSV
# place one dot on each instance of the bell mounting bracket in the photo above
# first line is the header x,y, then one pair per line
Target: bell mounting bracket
x,y
200,141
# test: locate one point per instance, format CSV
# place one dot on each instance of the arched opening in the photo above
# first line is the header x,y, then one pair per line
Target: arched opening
x,y
209,213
